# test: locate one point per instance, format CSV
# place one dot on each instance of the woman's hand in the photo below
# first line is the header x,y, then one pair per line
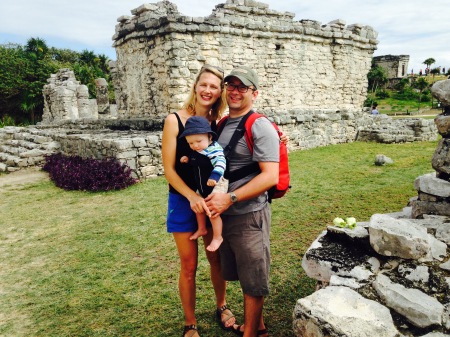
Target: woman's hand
x,y
284,137
198,205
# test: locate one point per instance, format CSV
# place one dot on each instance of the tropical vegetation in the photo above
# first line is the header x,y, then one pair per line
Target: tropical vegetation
x,y
24,71
409,95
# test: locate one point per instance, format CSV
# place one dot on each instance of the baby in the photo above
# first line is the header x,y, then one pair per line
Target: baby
x,y
208,162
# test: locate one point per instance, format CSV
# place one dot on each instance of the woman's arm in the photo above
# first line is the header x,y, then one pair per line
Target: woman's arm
x,y
169,147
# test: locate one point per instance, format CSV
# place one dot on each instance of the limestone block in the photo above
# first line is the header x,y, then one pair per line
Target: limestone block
x,y
438,249
443,125
381,160
441,90
122,144
398,237
139,142
441,157
443,233
429,184
420,208
416,306
343,312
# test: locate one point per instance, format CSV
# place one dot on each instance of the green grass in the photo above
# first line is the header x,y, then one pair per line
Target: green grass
x,y
102,264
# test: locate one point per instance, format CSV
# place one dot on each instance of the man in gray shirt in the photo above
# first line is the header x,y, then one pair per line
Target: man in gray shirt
x,y
245,210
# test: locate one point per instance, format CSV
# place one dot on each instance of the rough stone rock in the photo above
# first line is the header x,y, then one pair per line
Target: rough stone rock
x,y
441,90
326,257
340,311
441,158
398,237
381,160
443,233
430,184
419,308
443,125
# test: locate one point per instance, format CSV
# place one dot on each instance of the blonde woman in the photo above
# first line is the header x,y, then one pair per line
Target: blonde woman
x,y
206,99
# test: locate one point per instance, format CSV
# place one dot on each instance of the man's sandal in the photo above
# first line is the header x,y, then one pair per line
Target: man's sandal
x,y
190,331
228,315
237,330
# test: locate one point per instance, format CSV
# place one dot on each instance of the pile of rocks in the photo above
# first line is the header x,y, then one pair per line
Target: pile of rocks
x,y
389,276
434,188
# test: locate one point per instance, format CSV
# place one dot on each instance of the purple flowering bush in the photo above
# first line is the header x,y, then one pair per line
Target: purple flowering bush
x,y
76,173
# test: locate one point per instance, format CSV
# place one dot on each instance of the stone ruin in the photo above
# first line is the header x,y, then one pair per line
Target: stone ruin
x,y
313,84
389,276
65,99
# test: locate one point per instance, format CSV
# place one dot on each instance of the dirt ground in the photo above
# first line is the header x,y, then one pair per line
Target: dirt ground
x,y
21,177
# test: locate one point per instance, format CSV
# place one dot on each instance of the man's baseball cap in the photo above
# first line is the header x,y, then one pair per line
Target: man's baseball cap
x,y
245,74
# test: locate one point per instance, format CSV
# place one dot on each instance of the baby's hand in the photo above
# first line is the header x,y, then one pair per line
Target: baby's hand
x,y
211,182
184,160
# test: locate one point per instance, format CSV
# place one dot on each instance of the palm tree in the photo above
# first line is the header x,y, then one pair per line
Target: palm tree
x,y
421,84
36,47
429,62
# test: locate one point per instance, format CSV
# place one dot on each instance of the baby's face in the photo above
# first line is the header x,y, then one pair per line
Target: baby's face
x,y
198,142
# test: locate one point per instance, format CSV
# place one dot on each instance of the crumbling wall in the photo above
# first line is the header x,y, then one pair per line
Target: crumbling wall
x,y
301,64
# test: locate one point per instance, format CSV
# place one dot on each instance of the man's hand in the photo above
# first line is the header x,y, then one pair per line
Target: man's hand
x,y
218,203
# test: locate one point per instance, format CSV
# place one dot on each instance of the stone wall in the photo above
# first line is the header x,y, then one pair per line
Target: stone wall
x,y
301,64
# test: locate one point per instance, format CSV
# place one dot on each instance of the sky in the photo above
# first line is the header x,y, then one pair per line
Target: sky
x,y
405,27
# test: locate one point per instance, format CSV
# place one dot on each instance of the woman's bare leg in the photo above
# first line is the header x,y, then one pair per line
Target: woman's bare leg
x,y
188,252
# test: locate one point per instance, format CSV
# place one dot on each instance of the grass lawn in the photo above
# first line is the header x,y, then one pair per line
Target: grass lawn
x,y
102,264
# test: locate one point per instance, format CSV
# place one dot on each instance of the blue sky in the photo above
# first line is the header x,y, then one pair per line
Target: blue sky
x,y
405,27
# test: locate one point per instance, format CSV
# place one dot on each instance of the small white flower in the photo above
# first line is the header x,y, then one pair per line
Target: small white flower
x,y
351,222
339,222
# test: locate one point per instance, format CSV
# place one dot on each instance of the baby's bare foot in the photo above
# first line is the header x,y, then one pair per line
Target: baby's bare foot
x,y
215,243
197,234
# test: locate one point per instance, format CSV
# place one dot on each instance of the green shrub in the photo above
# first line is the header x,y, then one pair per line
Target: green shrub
x,y
382,94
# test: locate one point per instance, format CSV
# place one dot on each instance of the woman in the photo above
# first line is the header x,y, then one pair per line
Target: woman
x,y
206,99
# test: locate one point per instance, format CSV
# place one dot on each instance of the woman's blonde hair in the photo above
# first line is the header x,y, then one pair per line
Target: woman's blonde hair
x,y
219,106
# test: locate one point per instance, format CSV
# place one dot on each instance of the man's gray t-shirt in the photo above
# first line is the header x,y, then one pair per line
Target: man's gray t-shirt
x,y
266,148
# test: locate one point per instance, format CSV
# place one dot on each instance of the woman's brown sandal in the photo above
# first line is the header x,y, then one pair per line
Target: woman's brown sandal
x,y
224,310
190,331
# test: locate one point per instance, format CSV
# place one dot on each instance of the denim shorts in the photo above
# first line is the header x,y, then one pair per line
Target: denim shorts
x,y
180,217
245,251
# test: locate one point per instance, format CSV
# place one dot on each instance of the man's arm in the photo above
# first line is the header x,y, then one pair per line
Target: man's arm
x,y
220,202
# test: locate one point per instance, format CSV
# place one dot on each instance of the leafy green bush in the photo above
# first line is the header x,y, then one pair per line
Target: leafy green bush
x,y
382,94
76,173
6,121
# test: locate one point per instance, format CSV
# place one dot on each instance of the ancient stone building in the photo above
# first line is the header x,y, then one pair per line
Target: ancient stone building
x,y
396,66
302,64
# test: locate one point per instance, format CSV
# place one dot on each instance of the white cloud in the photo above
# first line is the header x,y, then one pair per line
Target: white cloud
x,y
405,27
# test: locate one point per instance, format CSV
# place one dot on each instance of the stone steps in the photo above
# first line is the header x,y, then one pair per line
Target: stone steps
x,y
21,148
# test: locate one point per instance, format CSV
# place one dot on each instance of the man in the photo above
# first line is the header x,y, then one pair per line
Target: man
x,y
245,211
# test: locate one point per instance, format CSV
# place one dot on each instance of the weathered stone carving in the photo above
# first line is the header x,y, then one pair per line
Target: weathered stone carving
x,y
65,99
